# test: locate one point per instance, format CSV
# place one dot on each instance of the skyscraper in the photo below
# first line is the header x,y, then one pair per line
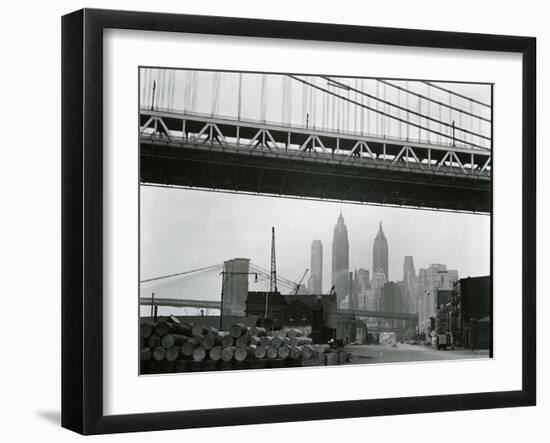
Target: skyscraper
x,y
378,280
340,260
410,285
380,254
437,276
316,268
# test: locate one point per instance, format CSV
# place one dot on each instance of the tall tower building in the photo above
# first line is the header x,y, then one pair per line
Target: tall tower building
x,y
316,268
409,285
380,254
340,260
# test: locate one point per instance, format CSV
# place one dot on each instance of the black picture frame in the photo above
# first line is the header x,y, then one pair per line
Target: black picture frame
x,y
82,218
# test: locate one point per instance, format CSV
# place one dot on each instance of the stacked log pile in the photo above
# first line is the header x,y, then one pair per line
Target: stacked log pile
x,y
171,346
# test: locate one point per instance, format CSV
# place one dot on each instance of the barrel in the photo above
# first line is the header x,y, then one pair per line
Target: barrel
x,y
276,342
209,341
294,332
215,353
146,329
159,353
265,341
173,353
188,347
300,341
199,330
181,328
153,341
283,352
307,352
256,341
170,340
237,330
228,353
272,352
281,333
226,339
173,319
241,353
242,341
199,353
145,354
162,328
256,331
295,352
260,352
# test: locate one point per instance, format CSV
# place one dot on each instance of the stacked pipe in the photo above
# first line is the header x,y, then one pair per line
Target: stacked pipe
x,y
171,346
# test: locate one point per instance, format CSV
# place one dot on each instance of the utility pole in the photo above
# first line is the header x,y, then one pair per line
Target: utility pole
x,y
453,133
273,276
153,98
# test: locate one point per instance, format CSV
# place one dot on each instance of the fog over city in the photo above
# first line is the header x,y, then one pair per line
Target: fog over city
x,y
188,229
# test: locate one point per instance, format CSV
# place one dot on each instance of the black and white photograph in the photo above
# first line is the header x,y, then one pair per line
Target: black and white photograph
x,y
292,220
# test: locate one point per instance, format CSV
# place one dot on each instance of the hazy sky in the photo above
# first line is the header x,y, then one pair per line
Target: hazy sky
x,y
183,229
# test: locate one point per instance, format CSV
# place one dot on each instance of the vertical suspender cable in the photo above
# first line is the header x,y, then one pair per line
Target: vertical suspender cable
x,y
304,104
450,137
289,102
145,80
408,115
239,96
194,90
428,122
144,85
399,114
173,96
355,107
263,98
362,108
186,90
283,101
419,120
378,109
348,112
163,89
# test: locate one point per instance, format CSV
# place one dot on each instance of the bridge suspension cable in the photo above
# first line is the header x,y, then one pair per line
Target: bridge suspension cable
x,y
163,277
411,111
385,114
456,94
432,100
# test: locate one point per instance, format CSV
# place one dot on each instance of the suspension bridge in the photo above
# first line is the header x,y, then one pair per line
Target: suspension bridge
x,y
417,144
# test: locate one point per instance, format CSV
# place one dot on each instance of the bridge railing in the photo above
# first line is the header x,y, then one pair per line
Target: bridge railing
x,y
336,131
211,134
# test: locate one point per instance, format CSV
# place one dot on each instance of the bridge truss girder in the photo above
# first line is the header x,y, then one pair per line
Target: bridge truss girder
x,y
213,153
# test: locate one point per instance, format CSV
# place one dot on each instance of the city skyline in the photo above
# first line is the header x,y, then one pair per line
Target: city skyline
x,y
227,226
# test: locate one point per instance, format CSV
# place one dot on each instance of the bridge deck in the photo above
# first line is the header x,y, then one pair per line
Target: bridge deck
x,y
206,152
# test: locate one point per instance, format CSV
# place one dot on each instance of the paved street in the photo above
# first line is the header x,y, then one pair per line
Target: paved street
x,y
406,353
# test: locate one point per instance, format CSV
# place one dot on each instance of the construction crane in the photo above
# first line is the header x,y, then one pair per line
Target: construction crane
x,y
300,282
